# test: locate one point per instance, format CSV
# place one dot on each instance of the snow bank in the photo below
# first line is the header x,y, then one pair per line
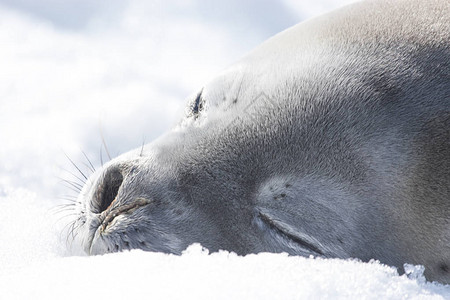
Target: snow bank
x,y
197,275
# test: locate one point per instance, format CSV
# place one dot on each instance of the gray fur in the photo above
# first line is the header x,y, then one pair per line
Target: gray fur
x,y
332,138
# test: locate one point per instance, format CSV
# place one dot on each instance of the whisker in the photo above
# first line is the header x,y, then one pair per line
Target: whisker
x,y
101,155
89,161
70,232
75,227
67,229
63,206
85,177
70,199
142,147
74,175
104,143
74,235
62,210
72,183
75,189
66,216
62,231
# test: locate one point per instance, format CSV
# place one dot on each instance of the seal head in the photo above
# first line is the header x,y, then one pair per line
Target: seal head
x,y
330,139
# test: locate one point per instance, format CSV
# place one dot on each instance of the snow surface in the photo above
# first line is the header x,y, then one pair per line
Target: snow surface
x,y
75,72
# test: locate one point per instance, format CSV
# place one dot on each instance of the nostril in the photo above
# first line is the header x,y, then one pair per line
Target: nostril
x,y
109,188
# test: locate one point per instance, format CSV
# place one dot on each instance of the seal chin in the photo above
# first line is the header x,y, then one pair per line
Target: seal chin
x,y
98,244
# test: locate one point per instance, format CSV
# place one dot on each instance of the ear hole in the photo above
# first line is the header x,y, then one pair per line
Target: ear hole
x,y
444,268
198,105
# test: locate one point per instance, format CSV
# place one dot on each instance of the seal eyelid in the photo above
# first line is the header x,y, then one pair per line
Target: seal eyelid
x,y
302,240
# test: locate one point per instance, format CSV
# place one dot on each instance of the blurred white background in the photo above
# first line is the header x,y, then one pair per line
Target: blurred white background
x,y
74,70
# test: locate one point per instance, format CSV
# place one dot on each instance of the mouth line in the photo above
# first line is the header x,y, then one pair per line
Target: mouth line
x,y
112,212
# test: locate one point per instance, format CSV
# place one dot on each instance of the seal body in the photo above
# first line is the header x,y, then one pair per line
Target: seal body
x,y
332,139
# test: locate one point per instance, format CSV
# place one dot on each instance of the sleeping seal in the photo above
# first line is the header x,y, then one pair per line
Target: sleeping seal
x,y
331,139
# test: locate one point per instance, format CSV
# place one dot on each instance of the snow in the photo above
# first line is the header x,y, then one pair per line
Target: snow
x,y
197,275
120,72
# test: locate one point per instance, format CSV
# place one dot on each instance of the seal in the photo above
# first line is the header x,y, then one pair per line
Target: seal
x,y
330,139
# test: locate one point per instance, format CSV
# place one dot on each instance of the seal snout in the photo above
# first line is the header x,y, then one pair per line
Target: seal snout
x,y
109,200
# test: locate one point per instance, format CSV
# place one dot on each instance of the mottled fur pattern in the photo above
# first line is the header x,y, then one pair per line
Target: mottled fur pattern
x,y
332,139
